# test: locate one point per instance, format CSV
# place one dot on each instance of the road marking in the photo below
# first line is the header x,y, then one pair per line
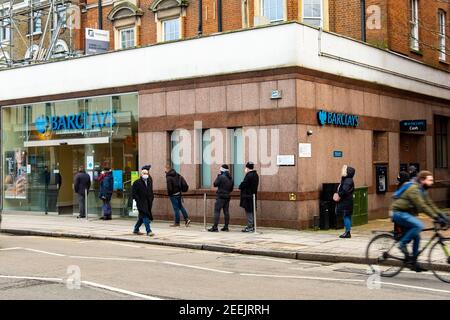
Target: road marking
x,y
123,244
45,252
130,293
195,267
268,259
413,287
300,277
32,278
10,249
113,258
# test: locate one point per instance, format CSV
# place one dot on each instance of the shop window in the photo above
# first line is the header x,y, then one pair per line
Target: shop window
x,y
237,155
313,12
442,35
414,25
441,141
273,10
206,159
175,159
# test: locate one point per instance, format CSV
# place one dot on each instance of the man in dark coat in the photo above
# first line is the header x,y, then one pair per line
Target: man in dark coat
x,y
106,192
224,183
249,187
142,191
81,184
174,185
344,199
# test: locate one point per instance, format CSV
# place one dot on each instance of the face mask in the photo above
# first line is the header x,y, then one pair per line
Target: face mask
x,y
145,176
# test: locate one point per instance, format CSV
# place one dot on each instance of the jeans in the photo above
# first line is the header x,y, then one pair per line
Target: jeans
x,y
82,205
177,205
106,208
225,205
348,222
412,226
250,218
145,221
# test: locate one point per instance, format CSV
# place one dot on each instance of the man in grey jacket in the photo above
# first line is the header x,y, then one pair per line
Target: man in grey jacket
x,y
81,184
224,183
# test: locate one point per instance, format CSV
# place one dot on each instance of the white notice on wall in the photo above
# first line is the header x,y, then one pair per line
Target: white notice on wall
x,y
304,150
28,168
90,162
285,160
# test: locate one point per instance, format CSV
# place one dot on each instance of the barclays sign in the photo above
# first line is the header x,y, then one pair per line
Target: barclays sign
x,y
337,119
79,121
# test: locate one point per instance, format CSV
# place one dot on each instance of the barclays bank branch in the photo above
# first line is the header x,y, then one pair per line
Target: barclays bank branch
x,y
43,145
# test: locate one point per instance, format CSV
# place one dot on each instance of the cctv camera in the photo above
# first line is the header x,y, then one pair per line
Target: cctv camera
x,y
309,132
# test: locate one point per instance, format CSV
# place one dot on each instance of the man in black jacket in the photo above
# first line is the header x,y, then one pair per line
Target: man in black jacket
x,y
344,199
174,183
224,183
142,191
249,187
81,185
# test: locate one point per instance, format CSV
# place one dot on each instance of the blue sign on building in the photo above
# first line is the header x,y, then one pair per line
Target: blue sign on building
x,y
337,119
338,154
80,121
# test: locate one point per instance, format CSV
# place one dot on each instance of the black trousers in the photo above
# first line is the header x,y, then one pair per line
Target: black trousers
x,y
225,205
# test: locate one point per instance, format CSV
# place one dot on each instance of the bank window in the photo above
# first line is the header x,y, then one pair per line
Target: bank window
x,y
312,12
35,26
441,141
4,26
175,159
206,159
237,155
273,10
442,35
171,29
127,38
414,25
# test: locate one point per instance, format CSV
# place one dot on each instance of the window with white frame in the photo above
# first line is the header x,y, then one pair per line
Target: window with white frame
x,y
60,16
414,25
442,35
127,38
273,9
4,25
35,26
313,12
60,50
171,29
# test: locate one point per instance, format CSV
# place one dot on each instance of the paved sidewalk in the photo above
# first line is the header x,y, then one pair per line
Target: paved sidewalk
x,y
306,245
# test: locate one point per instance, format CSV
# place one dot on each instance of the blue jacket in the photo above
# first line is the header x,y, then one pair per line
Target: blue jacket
x,y
107,187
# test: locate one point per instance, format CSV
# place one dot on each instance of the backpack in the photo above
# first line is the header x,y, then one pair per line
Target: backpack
x,y
184,187
397,194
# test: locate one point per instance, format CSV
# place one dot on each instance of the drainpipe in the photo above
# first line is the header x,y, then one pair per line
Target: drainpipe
x,y
100,15
219,15
363,20
200,17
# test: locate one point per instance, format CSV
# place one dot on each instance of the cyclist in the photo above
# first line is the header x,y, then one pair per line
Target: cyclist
x,y
409,200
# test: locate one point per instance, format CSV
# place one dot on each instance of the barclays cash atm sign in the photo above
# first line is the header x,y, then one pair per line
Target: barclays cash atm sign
x,y
337,119
80,121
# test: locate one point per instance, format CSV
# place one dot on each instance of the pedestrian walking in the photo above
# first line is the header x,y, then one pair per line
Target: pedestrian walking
x,y
249,187
81,185
106,191
412,170
402,178
142,191
224,183
176,185
344,199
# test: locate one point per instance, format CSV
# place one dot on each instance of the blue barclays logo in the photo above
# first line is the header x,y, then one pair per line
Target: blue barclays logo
x,y
80,121
337,119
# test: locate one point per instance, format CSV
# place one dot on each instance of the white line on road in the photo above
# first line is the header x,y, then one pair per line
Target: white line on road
x,y
112,258
32,278
195,267
130,293
45,252
268,259
299,277
413,287
11,249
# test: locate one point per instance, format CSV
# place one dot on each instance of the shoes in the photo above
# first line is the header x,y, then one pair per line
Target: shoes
x,y
225,228
138,233
213,229
187,222
247,229
174,225
105,218
81,217
150,234
345,235
404,250
414,266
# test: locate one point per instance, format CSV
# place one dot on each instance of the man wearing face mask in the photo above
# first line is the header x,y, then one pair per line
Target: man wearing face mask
x,y
142,191
409,200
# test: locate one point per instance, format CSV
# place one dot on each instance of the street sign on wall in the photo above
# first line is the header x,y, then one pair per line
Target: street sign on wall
x,y
413,125
97,41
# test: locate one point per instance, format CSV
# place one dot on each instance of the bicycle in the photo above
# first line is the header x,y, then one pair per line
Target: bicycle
x,y
384,256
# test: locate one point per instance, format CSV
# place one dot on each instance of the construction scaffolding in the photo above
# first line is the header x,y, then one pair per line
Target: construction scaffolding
x,y
35,27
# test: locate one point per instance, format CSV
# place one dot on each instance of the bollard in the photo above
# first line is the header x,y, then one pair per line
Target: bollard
x,y
254,212
204,211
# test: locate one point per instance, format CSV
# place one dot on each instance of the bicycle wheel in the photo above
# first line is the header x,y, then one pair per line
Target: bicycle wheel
x,y
439,260
383,255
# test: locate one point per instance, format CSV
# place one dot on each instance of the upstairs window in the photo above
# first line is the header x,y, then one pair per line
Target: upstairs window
x,y
127,38
442,35
35,25
4,26
171,29
414,23
312,12
273,10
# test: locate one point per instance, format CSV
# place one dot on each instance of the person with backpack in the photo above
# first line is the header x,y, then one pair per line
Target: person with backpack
x,y
344,199
224,183
176,185
409,200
